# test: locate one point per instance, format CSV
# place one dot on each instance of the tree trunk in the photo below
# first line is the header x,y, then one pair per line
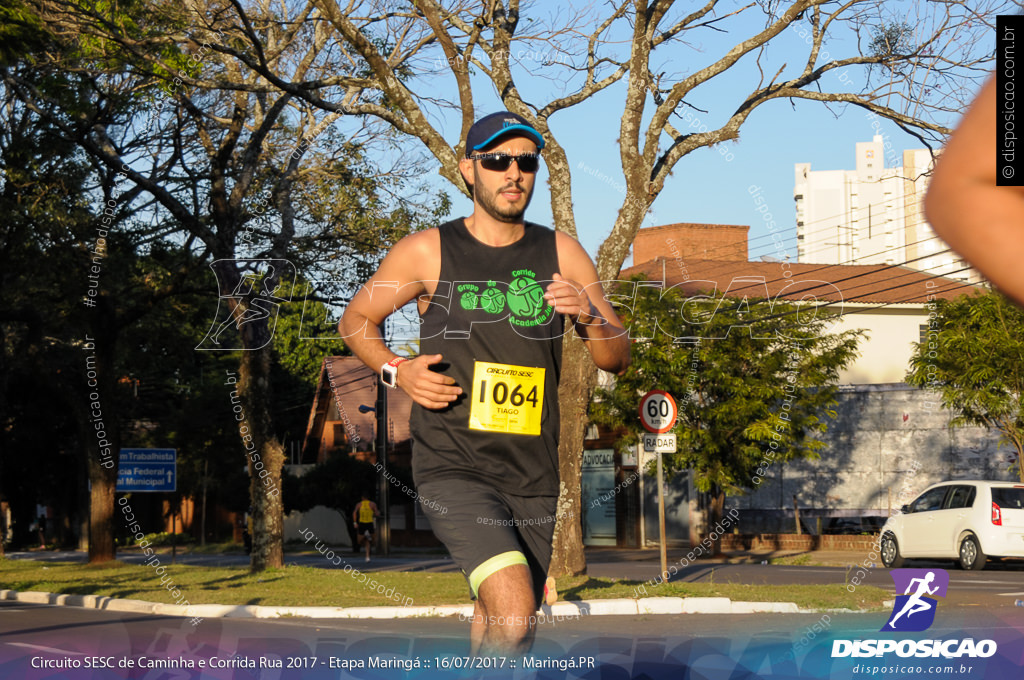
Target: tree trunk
x,y
202,515
101,512
264,455
717,508
265,459
698,514
577,385
711,511
1020,459
102,446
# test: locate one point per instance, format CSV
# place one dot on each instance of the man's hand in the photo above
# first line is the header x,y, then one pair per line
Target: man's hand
x,y
427,388
569,298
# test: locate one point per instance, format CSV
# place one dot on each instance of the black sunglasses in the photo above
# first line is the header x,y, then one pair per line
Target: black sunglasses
x,y
500,162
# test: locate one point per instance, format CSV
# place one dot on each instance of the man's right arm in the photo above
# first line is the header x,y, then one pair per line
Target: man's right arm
x,y
399,280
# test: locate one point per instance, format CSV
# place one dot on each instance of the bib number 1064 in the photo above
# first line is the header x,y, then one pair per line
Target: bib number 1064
x,y
502,394
507,398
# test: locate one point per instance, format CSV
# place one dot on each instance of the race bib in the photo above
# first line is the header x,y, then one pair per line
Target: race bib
x,y
506,398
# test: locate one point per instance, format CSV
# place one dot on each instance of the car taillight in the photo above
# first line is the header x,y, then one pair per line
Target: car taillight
x,y
997,515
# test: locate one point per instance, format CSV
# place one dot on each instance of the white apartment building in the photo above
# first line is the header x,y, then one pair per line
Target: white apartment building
x,y
872,215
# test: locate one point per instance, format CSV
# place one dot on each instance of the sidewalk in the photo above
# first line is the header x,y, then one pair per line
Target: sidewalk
x,y
829,558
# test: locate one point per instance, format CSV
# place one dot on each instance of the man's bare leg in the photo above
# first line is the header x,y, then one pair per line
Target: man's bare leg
x,y
504,617
476,628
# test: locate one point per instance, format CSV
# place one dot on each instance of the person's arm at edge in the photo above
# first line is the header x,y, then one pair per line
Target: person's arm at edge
x,y
577,293
360,325
981,221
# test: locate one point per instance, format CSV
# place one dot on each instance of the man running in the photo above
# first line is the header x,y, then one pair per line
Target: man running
x,y
362,520
490,289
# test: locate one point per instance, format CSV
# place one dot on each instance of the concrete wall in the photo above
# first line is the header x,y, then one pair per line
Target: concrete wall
x,y
886,445
885,352
328,525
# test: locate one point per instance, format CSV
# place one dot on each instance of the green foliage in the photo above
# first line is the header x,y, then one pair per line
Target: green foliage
x,y
305,334
746,375
974,357
47,227
21,32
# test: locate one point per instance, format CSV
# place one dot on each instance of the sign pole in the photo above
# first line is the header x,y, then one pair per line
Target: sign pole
x,y
658,414
382,460
661,518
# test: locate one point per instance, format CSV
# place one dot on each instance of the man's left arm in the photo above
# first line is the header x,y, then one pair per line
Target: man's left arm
x,y
577,293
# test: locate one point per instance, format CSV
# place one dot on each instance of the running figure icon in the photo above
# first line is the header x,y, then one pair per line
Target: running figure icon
x,y
915,603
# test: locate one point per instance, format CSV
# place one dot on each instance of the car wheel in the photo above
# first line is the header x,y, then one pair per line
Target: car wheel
x,y
971,556
890,550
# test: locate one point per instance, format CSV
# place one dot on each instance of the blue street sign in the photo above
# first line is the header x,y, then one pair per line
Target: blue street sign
x,y
147,470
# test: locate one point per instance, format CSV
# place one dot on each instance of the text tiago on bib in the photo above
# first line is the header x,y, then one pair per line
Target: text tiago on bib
x,y
506,398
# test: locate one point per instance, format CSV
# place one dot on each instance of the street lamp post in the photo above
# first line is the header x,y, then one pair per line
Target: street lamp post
x,y
380,410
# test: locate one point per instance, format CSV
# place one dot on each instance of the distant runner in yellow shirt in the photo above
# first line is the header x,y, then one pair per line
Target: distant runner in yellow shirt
x,y
362,519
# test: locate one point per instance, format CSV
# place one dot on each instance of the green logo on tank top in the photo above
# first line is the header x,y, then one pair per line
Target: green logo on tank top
x,y
525,298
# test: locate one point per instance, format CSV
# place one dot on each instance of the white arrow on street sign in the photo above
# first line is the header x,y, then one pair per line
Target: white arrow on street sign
x,y
658,411
660,443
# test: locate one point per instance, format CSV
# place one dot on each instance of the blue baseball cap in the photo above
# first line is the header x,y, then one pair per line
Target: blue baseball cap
x,y
493,127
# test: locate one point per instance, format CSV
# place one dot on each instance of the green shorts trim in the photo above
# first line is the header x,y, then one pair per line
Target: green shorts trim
x,y
493,565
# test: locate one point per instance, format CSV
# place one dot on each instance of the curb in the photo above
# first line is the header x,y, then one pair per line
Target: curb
x,y
570,609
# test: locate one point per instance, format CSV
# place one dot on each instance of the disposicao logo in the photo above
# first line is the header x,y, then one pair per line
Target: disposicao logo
x,y
914,611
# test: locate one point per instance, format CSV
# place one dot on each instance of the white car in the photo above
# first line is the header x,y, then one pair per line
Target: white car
x,y
968,521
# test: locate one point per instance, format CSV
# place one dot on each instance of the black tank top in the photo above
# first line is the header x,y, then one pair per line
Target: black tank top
x,y
489,321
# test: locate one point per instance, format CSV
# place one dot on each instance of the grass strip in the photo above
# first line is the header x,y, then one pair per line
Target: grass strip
x,y
306,586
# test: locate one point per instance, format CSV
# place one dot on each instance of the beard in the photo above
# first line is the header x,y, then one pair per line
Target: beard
x,y
509,214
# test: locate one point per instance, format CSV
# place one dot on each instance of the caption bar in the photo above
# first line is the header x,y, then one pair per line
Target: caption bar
x,y
1009,162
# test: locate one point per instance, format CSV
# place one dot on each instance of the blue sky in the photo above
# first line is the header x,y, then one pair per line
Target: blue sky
x,y
710,185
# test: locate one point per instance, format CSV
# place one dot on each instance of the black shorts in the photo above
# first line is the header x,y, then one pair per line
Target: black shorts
x,y
364,527
486,529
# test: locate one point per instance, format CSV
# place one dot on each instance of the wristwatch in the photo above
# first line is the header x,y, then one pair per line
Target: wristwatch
x,y
389,372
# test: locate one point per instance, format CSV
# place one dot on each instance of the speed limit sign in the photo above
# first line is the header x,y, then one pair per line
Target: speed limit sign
x,y
658,411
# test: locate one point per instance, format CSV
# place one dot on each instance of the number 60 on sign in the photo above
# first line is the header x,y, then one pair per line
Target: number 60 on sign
x,y
658,411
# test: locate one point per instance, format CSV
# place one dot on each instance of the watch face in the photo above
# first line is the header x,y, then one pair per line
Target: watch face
x,y
389,375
